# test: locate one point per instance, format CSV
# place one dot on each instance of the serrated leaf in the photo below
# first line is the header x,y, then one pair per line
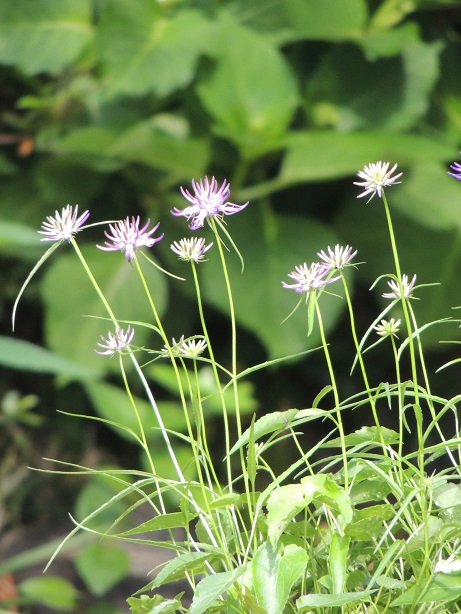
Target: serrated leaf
x,y
44,35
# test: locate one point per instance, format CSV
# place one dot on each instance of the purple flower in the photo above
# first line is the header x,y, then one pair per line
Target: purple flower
x,y
116,343
376,177
337,258
63,225
457,168
407,288
190,249
308,278
126,236
207,201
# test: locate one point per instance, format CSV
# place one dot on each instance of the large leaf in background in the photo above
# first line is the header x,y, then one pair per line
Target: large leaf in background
x,y
252,93
330,20
434,256
69,297
352,93
271,246
147,142
44,35
317,156
144,49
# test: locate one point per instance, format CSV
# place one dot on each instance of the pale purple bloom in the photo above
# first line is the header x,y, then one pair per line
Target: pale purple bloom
x,y
388,328
126,237
337,258
308,278
115,343
376,177
207,201
63,225
407,288
190,249
457,168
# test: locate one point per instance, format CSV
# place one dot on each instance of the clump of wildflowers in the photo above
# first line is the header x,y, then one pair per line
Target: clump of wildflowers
x,y
207,201
63,225
406,288
310,277
191,249
376,176
115,343
388,328
126,236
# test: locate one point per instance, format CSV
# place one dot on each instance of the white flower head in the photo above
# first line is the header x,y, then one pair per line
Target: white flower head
x,y
406,288
388,328
63,225
337,258
448,566
115,343
187,348
310,277
191,249
376,176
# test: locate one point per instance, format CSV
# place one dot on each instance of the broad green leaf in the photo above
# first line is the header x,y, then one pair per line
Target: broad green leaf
x,y
154,605
396,95
177,568
369,489
321,155
51,591
144,48
71,301
23,355
44,35
251,107
324,601
101,566
337,562
211,588
285,502
443,587
366,435
271,245
331,20
20,240
274,573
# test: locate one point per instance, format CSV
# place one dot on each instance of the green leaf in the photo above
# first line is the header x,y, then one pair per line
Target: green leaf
x,y
154,605
101,566
146,49
251,107
321,600
69,297
44,35
162,521
271,245
443,587
337,562
285,502
211,588
19,354
180,566
366,435
274,574
331,20
51,591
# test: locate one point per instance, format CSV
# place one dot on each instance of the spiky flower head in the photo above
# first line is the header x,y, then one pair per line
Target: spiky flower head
x,y
310,277
337,258
207,201
406,288
190,249
388,328
457,170
126,236
448,566
187,348
376,176
63,225
115,343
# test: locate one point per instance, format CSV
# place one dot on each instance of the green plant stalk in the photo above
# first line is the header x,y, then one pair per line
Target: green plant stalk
x,y
335,393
